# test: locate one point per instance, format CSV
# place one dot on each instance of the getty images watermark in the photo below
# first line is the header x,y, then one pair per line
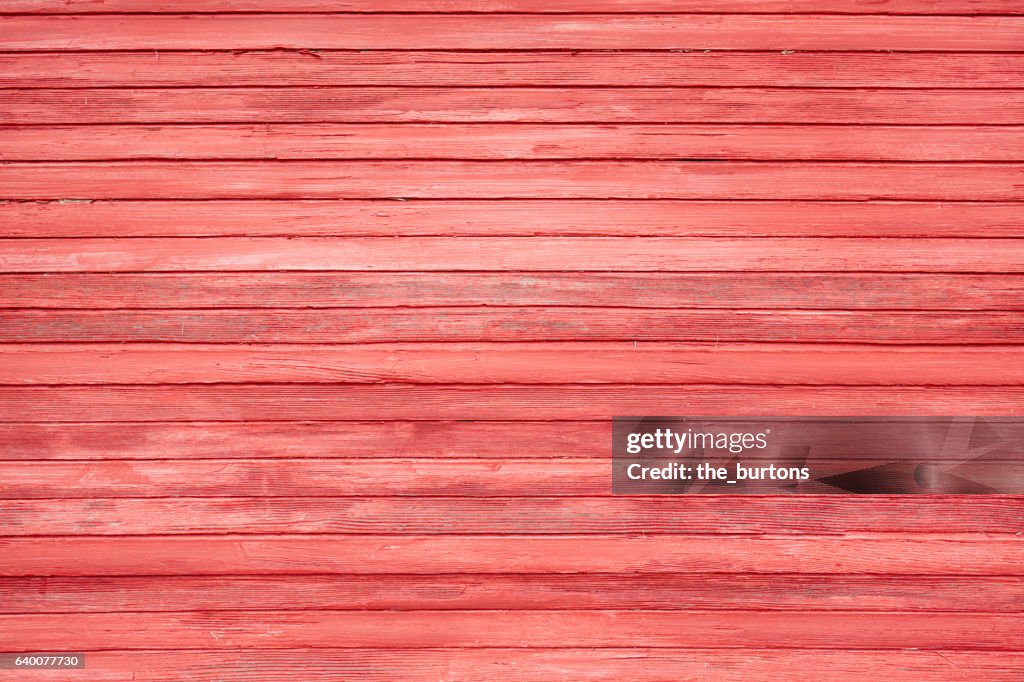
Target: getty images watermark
x,y
819,455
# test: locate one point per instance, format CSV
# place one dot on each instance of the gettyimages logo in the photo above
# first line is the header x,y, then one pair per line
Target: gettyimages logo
x,y
637,442
823,455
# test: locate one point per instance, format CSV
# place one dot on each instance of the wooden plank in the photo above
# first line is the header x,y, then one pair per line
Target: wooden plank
x,y
517,105
511,179
543,665
404,68
389,325
332,402
516,32
431,440
532,6
512,141
887,553
516,363
512,477
443,442
415,629
288,478
422,514
323,290
516,217
575,254
514,592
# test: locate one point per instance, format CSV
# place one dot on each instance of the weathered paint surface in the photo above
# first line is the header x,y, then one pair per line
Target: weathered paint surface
x,y
314,315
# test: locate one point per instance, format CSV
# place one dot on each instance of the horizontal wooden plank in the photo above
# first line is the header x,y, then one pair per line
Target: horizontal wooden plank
x,y
355,440
388,325
333,402
532,6
514,217
414,629
575,254
432,440
439,441
543,665
289,478
514,592
425,515
75,509
511,179
515,32
533,665
322,290
517,105
404,68
896,554
598,362
512,141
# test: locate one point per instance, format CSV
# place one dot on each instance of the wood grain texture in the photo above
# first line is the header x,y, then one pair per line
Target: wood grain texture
x,y
513,217
422,514
528,629
510,31
1009,7
327,402
510,68
360,104
543,665
896,554
555,254
371,439
438,442
420,478
666,591
322,290
316,478
511,324
484,363
511,179
512,141
313,317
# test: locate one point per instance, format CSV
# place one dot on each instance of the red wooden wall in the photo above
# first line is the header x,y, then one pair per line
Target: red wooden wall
x,y
313,324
